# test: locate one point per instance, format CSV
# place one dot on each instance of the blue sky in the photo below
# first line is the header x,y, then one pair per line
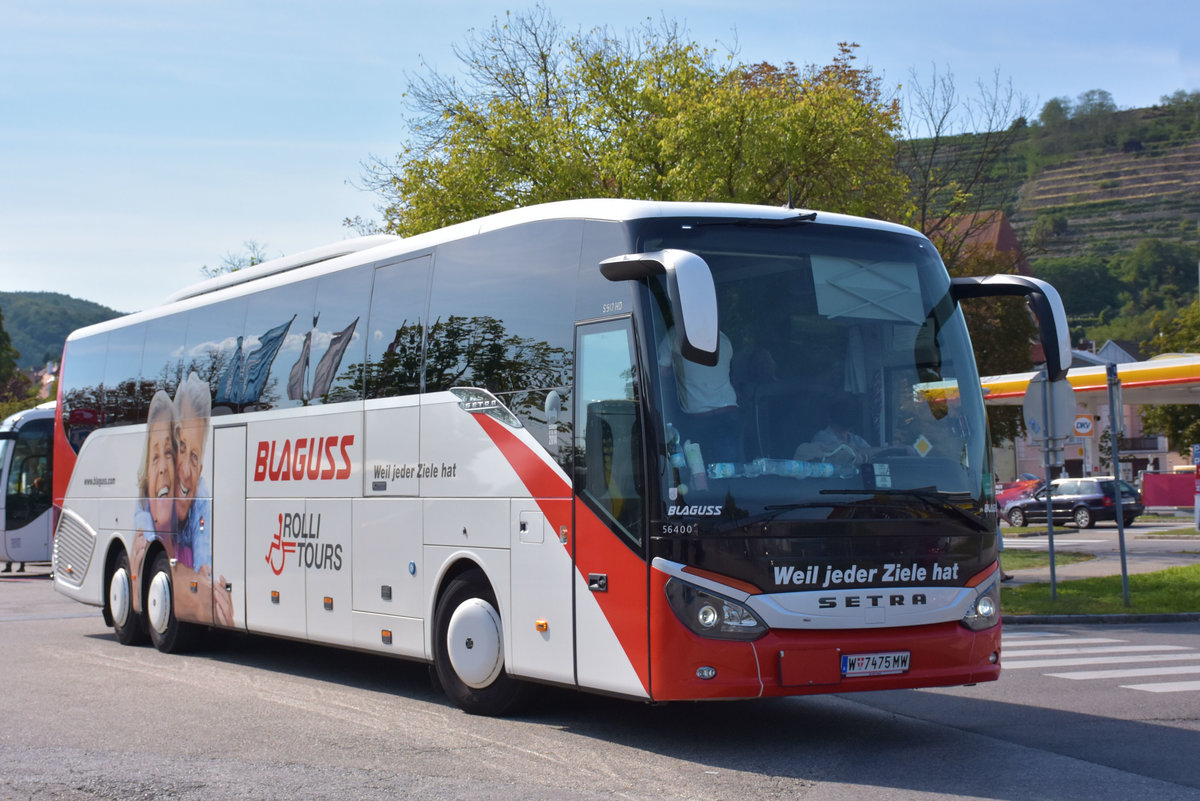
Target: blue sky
x,y
143,139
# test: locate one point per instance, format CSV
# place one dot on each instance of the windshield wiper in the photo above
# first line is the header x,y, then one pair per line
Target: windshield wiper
x,y
930,496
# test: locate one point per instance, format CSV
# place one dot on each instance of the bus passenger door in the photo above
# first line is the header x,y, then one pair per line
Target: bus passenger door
x,y
229,525
25,506
609,550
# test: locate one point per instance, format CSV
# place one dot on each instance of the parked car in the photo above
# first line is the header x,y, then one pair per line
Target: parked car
x,y
1010,492
1081,501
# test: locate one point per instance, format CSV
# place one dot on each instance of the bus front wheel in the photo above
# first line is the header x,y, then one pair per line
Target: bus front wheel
x,y
469,649
168,634
127,624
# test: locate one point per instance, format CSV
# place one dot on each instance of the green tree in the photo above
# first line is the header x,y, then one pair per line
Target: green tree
x,y
1055,112
17,391
1177,333
1157,270
8,354
542,115
1088,287
254,253
1093,103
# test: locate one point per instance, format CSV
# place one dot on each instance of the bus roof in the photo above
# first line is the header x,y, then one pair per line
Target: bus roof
x,y
11,422
360,250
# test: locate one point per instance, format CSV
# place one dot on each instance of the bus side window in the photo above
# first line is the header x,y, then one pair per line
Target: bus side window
x,y
82,377
608,437
339,336
500,311
395,331
28,490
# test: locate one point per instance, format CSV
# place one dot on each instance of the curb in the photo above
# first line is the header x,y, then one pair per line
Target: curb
x,y
1176,617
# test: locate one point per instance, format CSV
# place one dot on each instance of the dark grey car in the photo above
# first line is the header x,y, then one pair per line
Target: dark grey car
x,y
1081,501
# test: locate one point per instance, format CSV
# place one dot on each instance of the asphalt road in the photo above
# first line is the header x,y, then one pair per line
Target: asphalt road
x,y
255,718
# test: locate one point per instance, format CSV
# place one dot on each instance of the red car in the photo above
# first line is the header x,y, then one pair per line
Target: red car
x,y
1009,492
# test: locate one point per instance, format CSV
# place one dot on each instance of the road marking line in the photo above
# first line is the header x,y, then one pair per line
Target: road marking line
x,y
1041,543
1165,687
1128,673
1011,643
1106,649
1094,660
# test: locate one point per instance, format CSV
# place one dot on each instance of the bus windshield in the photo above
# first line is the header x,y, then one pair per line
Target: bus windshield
x,y
841,360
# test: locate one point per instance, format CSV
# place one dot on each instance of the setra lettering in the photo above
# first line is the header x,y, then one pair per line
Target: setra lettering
x,y
856,601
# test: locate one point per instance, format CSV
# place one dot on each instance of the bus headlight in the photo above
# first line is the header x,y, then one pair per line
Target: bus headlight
x,y
712,615
985,612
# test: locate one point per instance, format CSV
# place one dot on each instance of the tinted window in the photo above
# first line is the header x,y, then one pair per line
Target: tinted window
x,y
28,490
502,309
395,332
597,296
162,357
338,339
82,373
608,432
122,368
278,347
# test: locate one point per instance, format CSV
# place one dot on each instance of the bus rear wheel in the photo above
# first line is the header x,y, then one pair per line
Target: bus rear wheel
x,y
168,634
469,649
127,624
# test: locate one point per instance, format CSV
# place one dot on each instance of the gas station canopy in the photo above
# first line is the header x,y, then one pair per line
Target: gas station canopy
x,y
1172,378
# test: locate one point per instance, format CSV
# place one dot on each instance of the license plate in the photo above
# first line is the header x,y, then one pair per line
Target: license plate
x,y
875,664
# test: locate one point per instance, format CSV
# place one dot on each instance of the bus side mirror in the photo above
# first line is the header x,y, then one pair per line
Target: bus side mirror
x,y
690,289
1043,300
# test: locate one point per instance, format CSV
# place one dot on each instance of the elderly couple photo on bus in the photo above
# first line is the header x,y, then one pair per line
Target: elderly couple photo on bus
x,y
174,506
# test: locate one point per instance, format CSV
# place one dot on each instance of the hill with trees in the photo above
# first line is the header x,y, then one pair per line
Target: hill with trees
x,y
38,323
1106,203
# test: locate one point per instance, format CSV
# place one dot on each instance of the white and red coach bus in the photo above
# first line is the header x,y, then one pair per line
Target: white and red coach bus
x,y
657,450
26,451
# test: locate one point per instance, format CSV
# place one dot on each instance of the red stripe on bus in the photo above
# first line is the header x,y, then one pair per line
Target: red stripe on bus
x,y
597,548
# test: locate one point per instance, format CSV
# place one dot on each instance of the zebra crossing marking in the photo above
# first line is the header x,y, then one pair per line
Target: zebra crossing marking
x,y
1045,649
1165,687
1128,673
1042,543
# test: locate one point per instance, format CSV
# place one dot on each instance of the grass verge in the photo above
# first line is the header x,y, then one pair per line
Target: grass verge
x,y
1013,559
1175,532
1176,589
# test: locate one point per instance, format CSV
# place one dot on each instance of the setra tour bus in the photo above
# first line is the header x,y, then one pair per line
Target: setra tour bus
x,y
26,460
661,451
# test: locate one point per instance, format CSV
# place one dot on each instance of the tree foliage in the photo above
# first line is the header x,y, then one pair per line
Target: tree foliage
x,y
544,115
540,114
1156,270
1178,333
39,322
17,391
8,354
1088,285
253,253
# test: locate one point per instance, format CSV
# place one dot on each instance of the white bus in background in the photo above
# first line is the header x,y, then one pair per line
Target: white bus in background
x,y
26,460
598,444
